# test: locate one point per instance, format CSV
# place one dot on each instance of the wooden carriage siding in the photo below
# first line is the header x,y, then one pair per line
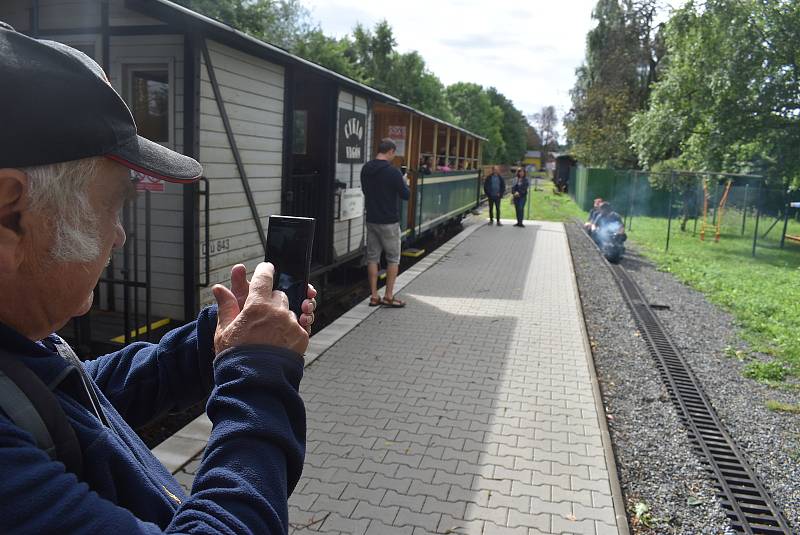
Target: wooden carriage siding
x,y
252,91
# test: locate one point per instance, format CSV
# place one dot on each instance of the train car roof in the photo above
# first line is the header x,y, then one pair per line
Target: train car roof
x,y
173,13
436,119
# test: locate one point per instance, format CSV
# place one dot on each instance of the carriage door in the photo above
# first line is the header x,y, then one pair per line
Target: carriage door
x,y
308,190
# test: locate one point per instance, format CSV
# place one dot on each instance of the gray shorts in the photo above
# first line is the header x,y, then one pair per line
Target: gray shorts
x,y
384,238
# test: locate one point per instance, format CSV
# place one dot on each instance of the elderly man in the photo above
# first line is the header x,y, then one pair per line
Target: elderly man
x,y
67,144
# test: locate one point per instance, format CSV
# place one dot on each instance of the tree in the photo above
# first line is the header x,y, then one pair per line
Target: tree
x,y
332,53
473,110
546,122
280,22
375,54
728,98
623,58
513,128
532,139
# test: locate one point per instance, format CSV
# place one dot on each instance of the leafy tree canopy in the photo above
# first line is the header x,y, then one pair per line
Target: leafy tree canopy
x,y
623,57
729,99
473,109
280,22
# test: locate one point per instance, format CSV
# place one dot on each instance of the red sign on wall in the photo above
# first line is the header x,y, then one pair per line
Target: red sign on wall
x,y
146,183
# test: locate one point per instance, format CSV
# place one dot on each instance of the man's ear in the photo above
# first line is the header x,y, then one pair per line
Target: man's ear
x,y
13,188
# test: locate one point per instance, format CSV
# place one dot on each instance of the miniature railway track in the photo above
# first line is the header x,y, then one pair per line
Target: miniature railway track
x,y
746,502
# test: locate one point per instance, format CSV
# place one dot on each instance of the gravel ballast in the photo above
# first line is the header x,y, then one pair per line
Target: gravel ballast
x,y
656,464
770,440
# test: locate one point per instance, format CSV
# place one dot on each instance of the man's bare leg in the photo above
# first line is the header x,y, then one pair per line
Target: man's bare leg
x,y
372,272
391,276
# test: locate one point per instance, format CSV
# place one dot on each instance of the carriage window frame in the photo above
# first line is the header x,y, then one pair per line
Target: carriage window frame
x,y
129,69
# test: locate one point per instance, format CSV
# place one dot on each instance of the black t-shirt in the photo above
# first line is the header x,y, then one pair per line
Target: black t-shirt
x,y
383,186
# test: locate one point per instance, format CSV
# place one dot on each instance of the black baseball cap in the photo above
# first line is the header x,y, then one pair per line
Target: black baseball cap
x,y
57,105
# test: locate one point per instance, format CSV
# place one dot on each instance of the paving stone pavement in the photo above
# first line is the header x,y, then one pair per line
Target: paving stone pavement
x,y
471,411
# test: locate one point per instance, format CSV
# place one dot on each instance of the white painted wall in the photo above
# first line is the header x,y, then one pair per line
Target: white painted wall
x,y
348,236
252,90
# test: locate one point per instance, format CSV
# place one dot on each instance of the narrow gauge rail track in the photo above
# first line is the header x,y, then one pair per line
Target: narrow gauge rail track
x,y
747,503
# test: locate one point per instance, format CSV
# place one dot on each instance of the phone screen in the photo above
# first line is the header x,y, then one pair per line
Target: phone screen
x,y
289,241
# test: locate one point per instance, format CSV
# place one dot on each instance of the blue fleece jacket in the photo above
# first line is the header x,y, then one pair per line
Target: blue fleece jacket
x,y
252,462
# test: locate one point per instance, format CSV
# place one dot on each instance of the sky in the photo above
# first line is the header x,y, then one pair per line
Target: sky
x,y
527,49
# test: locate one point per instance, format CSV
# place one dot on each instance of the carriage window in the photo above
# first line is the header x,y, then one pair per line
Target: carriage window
x,y
148,96
300,132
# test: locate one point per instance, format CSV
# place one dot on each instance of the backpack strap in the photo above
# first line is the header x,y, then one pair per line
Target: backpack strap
x,y
32,406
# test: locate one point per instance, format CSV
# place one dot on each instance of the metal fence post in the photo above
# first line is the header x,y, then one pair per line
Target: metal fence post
x,y
785,215
758,215
633,198
669,210
744,209
528,206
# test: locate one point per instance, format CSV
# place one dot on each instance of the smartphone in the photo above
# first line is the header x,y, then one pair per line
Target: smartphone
x,y
289,241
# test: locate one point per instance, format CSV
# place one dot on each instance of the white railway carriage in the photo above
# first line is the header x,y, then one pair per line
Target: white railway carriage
x,y
276,135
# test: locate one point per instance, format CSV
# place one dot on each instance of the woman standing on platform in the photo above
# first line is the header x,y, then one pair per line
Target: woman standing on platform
x,y
520,194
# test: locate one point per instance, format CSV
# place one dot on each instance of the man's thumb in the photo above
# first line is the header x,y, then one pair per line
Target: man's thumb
x,y
227,305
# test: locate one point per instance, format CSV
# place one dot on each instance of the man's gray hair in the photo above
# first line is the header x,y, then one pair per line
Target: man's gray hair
x,y
59,192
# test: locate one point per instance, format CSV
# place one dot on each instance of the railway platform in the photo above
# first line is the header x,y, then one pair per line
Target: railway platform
x,y
474,410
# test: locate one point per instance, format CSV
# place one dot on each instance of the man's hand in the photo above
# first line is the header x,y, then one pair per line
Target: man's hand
x,y
252,313
241,288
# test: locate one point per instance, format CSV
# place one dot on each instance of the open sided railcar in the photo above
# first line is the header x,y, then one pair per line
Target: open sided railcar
x,y
437,195
276,135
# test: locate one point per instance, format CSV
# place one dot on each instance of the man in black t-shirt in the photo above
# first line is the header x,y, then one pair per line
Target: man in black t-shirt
x,y
383,185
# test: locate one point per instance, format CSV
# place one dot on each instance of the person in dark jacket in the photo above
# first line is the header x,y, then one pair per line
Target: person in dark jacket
x,y
519,192
494,187
383,186
69,144
594,213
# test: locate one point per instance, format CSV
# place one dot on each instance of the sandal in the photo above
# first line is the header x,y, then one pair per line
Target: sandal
x,y
394,302
374,301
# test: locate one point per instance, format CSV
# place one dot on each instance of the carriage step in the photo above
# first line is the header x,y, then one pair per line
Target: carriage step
x,y
413,252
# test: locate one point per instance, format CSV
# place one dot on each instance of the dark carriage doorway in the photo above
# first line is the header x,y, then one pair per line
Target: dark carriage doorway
x,y
309,191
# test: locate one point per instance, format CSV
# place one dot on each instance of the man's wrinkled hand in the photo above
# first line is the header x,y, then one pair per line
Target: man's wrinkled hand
x,y
251,313
241,288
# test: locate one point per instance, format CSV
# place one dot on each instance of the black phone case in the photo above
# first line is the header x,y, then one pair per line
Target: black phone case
x,y
296,221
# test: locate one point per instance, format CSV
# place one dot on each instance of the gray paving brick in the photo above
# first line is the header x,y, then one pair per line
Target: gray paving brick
x,y
437,491
478,497
369,511
455,509
540,521
376,527
342,524
406,517
504,530
583,497
406,501
459,526
555,508
372,496
333,505
380,481
601,514
496,515
563,524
